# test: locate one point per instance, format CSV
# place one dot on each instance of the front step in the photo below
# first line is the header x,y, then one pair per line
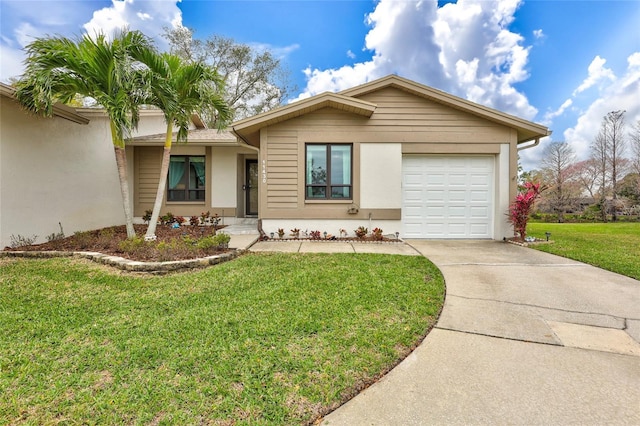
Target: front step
x,y
242,226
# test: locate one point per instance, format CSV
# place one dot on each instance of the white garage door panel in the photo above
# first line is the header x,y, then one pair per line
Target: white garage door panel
x,y
447,197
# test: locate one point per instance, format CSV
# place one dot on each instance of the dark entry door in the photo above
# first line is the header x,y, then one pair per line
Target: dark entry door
x,y
251,188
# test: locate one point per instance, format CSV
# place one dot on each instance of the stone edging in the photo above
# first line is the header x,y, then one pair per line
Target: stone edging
x,y
128,264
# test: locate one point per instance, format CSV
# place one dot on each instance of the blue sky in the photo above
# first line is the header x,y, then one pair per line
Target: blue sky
x,y
561,63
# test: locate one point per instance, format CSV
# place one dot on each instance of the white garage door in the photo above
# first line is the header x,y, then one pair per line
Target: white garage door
x,y
447,196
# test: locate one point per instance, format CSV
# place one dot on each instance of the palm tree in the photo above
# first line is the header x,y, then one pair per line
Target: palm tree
x,y
109,71
180,89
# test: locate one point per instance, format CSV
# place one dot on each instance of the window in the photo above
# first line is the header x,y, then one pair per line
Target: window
x,y
328,174
186,178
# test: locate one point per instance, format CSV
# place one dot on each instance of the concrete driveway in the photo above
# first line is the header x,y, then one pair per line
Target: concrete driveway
x,y
525,337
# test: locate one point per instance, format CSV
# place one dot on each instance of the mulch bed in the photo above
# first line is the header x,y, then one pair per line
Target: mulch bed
x,y
170,243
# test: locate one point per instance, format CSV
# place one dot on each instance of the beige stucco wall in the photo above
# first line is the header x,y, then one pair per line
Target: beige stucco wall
x,y
53,170
224,175
380,175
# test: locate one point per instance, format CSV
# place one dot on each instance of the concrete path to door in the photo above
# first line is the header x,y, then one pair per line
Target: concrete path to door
x,y
525,338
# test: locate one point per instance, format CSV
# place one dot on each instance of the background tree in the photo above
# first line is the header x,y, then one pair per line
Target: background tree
x,y
557,171
255,80
600,160
614,132
58,69
634,137
586,174
181,89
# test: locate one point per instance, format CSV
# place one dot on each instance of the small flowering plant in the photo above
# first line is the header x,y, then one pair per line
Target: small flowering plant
x,y
376,233
280,232
520,209
361,232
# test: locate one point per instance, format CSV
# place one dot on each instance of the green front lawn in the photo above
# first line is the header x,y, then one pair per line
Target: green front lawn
x,y
265,339
611,246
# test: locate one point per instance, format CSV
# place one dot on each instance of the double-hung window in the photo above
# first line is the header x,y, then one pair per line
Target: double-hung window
x,y
186,180
328,172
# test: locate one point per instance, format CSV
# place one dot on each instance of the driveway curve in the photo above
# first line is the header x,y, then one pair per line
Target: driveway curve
x,y
525,337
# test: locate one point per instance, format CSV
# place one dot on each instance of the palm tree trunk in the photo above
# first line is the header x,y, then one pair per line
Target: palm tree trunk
x,y
121,162
162,185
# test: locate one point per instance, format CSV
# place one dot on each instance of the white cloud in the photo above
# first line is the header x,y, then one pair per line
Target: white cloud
x,y
22,22
338,79
538,33
620,94
614,94
350,54
10,62
137,15
144,16
549,116
464,48
25,33
597,73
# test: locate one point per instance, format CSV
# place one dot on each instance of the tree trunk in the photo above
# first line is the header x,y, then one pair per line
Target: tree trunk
x,y
121,162
162,185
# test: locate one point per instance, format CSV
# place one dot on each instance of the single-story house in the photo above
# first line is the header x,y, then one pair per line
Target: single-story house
x,y
391,153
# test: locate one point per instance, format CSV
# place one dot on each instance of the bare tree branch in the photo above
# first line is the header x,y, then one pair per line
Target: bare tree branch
x,y
255,80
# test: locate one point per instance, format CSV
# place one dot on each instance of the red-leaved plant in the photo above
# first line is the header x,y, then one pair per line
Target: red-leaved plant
x,y
520,209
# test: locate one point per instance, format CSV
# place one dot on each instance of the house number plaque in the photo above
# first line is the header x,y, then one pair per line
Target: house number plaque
x,y
264,171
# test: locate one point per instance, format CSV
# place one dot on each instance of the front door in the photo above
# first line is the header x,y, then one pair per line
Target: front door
x,y
251,188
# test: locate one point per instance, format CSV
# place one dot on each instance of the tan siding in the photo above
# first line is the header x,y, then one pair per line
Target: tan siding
x,y
419,124
282,169
148,161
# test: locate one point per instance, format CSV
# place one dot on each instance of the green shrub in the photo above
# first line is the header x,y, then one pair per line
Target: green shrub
x,y
83,238
131,245
217,241
222,239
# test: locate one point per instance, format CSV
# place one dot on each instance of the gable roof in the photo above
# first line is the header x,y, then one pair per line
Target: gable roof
x,y
248,129
59,110
527,130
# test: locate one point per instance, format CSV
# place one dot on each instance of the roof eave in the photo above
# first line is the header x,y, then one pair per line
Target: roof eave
x,y
59,110
248,127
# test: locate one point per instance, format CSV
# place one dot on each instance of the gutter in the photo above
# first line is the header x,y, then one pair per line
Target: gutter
x,y
536,141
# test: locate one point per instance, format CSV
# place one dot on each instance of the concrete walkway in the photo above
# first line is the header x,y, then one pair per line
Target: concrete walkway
x,y
307,246
525,337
